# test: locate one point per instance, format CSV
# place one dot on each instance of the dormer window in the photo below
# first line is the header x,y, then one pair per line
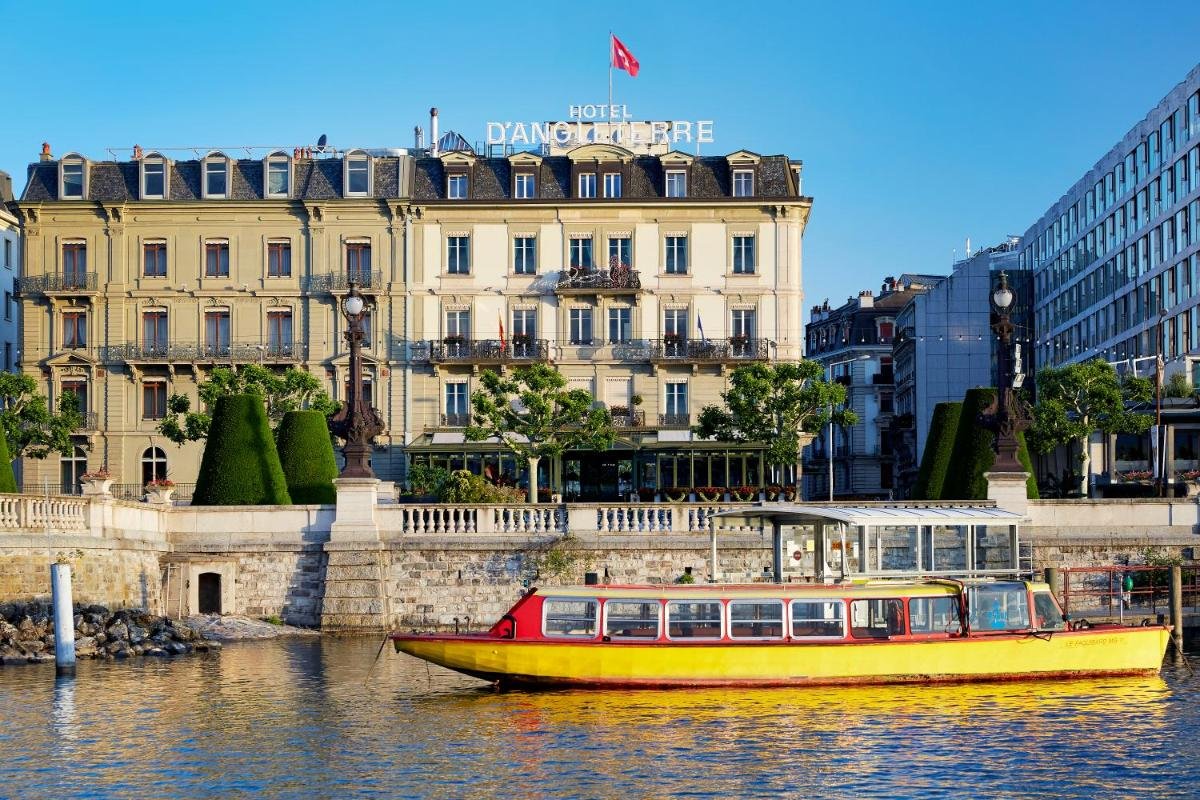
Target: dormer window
x,y
587,185
523,186
358,175
278,176
676,183
154,178
72,179
743,183
456,187
612,185
216,177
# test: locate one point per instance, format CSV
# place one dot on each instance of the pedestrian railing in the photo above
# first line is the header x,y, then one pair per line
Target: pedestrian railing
x,y
1102,590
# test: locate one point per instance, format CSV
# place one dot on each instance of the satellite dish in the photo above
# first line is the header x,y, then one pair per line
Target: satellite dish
x,y
324,140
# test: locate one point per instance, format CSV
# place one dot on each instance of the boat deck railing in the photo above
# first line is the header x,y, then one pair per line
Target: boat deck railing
x,y
1100,591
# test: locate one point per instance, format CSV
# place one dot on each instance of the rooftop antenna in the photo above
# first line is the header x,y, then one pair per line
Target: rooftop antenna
x,y
968,247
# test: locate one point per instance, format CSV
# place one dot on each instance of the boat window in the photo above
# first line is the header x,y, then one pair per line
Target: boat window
x,y
1002,606
570,617
818,618
693,619
877,619
632,618
934,615
1049,616
756,619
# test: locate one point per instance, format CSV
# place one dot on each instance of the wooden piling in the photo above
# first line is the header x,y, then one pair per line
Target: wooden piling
x,y
1177,604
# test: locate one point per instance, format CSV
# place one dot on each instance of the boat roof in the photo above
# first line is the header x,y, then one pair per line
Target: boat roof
x,y
706,591
874,515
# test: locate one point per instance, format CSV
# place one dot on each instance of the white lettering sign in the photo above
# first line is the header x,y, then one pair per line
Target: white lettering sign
x,y
588,123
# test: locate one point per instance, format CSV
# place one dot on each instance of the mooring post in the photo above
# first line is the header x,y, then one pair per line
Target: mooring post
x,y
1177,604
1052,578
64,619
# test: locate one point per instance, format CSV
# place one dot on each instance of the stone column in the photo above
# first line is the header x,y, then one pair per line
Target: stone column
x,y
1008,490
356,595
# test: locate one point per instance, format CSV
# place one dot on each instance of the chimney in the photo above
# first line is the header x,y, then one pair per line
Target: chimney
x,y
295,154
6,195
46,152
866,299
433,131
137,152
418,137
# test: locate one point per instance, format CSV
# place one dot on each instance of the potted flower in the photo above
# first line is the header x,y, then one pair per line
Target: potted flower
x,y
635,400
773,491
1189,478
789,493
1136,476
744,494
98,483
677,494
710,494
646,494
159,491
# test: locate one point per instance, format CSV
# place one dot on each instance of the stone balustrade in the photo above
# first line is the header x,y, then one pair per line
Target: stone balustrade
x,y
30,513
439,519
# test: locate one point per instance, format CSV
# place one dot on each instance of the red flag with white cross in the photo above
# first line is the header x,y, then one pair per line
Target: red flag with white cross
x,y
622,58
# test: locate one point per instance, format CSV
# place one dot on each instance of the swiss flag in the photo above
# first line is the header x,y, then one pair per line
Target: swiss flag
x,y
622,58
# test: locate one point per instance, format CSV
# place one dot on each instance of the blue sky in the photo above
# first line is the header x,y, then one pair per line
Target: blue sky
x,y
919,124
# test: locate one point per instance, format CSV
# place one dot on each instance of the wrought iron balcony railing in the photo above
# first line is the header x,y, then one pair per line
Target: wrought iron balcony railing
x,y
340,281
489,351
625,417
235,352
713,351
675,421
57,282
591,281
456,420
88,423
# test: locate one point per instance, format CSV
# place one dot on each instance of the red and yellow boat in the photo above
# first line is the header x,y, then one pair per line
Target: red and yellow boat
x,y
863,632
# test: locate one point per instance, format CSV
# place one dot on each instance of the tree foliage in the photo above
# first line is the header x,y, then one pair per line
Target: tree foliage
x,y
1178,385
240,464
306,454
31,429
939,446
534,415
974,453
291,390
774,405
1076,400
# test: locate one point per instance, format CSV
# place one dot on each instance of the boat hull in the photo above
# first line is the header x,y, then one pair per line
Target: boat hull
x,y
1117,651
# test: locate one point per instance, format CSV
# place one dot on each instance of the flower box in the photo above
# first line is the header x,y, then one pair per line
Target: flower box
x,y
710,494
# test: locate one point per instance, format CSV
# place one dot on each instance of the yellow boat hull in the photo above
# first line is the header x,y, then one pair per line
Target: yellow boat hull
x,y
1116,651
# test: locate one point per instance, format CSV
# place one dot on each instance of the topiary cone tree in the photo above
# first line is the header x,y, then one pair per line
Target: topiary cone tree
x,y
306,454
8,481
974,452
939,445
240,464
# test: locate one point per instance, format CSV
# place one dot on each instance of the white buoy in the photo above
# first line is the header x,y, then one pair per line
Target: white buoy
x,y
64,619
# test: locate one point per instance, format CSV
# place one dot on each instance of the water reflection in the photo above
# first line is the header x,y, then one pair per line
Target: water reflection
x,y
305,718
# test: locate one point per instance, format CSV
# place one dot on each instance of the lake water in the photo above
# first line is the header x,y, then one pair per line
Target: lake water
x,y
305,718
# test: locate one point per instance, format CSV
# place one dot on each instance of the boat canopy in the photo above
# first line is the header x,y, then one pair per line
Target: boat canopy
x,y
809,513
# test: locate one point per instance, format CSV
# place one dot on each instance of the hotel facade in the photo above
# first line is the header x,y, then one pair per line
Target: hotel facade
x,y
643,278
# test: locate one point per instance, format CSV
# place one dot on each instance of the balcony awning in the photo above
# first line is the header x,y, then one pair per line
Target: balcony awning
x,y
881,515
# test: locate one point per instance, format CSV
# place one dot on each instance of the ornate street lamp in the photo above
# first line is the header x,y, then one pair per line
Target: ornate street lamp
x,y
1006,416
357,423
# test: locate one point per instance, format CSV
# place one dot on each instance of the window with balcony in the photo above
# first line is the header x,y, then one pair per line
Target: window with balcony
x,y
216,332
581,325
524,324
368,391
612,185
74,264
743,183
154,330
458,325
620,252
216,177
524,187
587,185
743,255
78,388
456,187
676,183
74,329
154,399
154,258
154,179
886,329
154,465
458,255
216,258
620,324
279,258
675,324
676,400
525,255
279,331
676,260
581,253
742,324
458,411
358,261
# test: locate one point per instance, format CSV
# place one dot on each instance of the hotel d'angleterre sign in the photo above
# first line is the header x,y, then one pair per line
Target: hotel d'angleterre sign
x,y
596,123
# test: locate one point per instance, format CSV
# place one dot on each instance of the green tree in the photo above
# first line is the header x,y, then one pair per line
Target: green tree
x,y
536,417
1178,386
292,390
31,429
778,406
1076,400
8,481
939,446
306,454
240,464
974,453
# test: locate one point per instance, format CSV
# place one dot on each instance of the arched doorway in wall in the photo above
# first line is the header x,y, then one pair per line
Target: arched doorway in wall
x,y
71,469
209,586
154,465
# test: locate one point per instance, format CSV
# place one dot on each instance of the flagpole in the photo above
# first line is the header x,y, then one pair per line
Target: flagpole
x,y
608,114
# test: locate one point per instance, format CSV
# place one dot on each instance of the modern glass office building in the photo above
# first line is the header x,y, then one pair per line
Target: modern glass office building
x,y
1115,259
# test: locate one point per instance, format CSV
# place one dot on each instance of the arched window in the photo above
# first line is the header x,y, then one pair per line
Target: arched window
x,y
154,176
154,465
277,175
216,176
356,177
72,177
71,469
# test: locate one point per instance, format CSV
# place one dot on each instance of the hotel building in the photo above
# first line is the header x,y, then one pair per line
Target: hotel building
x,y
10,271
643,278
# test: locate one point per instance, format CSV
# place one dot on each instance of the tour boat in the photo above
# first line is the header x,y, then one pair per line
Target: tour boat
x,y
854,632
